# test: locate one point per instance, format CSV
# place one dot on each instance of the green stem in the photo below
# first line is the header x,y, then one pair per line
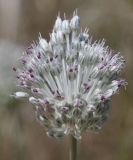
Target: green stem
x,y
73,148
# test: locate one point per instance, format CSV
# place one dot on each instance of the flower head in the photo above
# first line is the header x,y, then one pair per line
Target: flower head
x,y
69,79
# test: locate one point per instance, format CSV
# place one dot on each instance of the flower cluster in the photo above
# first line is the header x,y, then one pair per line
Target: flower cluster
x,y
69,80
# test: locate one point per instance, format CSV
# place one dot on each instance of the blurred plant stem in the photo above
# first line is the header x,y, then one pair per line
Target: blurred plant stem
x,y
72,148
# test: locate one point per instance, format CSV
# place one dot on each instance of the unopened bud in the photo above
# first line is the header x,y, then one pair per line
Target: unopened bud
x,y
60,37
66,27
58,24
74,23
20,95
44,44
33,100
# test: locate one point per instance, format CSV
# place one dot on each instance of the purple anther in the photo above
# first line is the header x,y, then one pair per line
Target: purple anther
x,y
57,92
39,55
102,66
14,69
84,84
87,88
51,59
31,75
23,61
70,70
56,56
17,77
120,83
34,90
30,70
102,98
46,103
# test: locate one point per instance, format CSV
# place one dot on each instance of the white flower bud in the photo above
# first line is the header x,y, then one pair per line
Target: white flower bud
x,y
20,95
76,44
74,23
58,24
60,37
57,37
41,118
108,93
33,100
44,44
66,27
53,38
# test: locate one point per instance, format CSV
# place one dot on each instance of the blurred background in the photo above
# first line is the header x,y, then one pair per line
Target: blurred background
x,y
21,137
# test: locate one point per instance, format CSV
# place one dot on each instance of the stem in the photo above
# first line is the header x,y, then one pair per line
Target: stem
x,y
73,148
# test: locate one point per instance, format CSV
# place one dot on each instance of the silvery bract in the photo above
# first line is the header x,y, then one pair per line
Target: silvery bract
x,y
69,79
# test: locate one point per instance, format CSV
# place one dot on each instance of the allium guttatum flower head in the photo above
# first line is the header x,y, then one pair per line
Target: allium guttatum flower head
x,y
69,80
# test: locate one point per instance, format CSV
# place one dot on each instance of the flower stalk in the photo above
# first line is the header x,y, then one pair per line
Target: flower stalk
x,y
73,148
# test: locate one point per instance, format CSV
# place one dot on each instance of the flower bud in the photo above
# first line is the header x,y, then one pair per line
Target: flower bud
x,y
58,24
53,38
20,95
66,27
74,23
76,44
60,37
44,44
33,100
